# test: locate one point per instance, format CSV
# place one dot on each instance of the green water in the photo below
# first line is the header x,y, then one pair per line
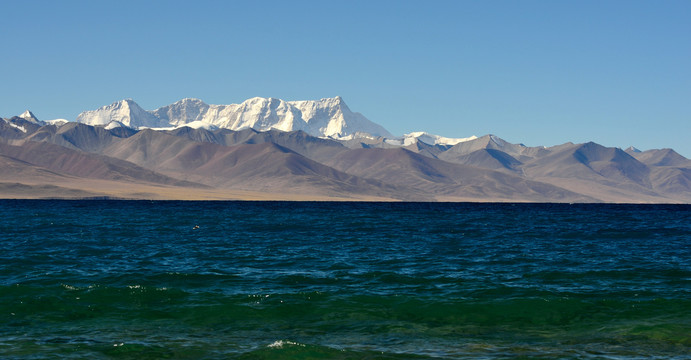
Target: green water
x,y
120,279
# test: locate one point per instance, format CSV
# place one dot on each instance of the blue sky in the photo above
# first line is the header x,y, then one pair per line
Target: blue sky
x,y
533,72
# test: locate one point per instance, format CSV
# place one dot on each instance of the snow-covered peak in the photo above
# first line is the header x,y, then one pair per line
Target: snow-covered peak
x,y
314,111
332,117
127,112
324,117
632,149
267,113
30,117
430,139
182,111
190,100
188,103
333,101
57,122
259,102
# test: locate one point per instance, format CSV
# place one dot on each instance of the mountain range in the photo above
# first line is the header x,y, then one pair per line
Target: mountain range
x,y
270,149
325,117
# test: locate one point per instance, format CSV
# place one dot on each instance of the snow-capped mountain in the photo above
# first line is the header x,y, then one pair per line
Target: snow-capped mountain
x,y
329,117
427,138
332,117
30,117
340,155
126,112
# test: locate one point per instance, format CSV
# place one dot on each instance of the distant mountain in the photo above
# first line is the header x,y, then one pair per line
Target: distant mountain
x,y
325,117
125,112
30,117
79,164
271,149
659,157
445,180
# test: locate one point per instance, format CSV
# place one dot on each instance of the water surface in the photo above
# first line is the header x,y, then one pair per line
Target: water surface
x,y
272,280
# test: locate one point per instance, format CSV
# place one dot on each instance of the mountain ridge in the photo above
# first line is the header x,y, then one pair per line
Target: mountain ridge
x,y
325,117
113,152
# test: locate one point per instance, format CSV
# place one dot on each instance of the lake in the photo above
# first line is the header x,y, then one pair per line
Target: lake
x,y
308,280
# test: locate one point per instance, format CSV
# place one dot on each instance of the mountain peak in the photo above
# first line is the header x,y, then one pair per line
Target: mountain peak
x,y
427,138
337,99
333,101
120,104
125,111
324,117
29,116
188,101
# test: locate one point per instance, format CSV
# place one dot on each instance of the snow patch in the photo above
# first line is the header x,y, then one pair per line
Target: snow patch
x,y
430,139
358,135
198,124
114,125
19,127
57,122
497,140
157,128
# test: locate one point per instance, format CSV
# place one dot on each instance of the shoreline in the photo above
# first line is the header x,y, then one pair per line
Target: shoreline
x,y
97,189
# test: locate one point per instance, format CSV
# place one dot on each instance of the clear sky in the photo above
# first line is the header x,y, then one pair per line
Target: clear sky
x,y
533,72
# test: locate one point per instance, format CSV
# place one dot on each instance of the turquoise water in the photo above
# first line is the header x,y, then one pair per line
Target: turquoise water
x,y
281,280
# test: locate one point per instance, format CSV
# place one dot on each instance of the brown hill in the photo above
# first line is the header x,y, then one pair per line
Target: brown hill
x,y
78,136
260,167
11,131
590,161
487,159
445,180
78,164
298,141
661,157
609,174
428,150
15,170
674,183
220,164
491,142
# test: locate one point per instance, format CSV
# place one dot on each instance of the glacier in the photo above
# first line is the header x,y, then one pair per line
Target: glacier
x,y
327,117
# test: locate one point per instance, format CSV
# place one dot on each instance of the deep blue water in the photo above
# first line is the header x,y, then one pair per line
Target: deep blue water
x,y
272,280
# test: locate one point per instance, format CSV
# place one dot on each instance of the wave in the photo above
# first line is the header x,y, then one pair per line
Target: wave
x,y
244,325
